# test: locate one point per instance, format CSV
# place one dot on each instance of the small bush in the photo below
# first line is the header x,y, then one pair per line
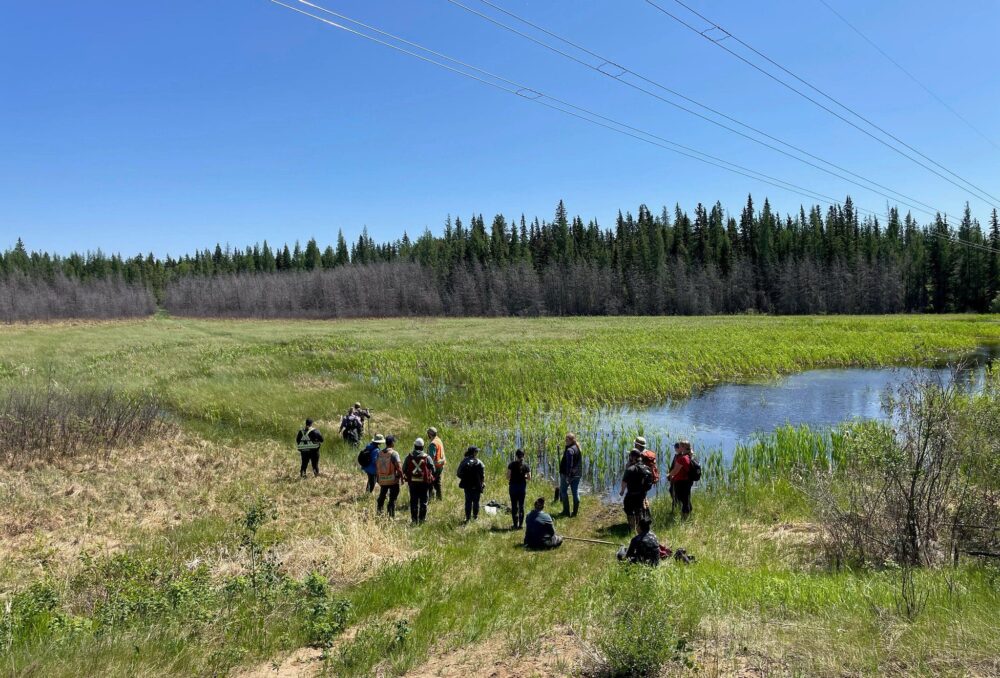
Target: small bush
x,y
642,634
52,422
327,616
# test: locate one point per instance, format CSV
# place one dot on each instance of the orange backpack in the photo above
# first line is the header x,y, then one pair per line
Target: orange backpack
x,y
649,459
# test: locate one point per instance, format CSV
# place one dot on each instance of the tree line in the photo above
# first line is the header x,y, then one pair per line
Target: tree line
x,y
813,261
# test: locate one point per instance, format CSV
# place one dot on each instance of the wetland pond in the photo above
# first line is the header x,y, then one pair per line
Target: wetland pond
x,y
720,419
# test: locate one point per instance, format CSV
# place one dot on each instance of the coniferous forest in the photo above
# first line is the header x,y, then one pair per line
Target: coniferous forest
x,y
712,261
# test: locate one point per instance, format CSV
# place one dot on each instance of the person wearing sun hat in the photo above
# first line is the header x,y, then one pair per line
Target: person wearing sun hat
x,y
367,458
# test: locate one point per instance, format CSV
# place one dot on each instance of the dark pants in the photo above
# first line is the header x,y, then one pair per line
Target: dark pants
x,y
472,495
682,495
551,542
517,493
419,492
437,483
393,492
307,458
371,482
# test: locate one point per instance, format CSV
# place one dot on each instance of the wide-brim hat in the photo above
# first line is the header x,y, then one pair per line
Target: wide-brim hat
x,y
379,439
639,440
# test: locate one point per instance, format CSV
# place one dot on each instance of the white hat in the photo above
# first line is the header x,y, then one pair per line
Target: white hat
x,y
419,443
640,441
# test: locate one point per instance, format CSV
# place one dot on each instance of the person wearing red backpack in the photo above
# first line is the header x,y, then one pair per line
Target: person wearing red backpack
x,y
681,476
418,470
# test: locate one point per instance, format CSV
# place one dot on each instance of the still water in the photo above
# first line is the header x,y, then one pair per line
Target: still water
x,y
721,417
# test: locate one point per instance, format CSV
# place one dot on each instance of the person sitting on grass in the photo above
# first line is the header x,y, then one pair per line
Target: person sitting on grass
x,y
540,529
644,549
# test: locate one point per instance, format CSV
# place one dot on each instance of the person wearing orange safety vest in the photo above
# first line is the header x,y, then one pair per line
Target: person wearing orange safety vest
x,y
389,475
436,452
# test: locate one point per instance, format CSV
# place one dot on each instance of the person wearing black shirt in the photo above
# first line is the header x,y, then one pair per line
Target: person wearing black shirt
x,y
635,483
308,441
540,529
518,475
644,548
472,476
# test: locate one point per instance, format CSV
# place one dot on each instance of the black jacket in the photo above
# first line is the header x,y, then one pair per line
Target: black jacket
x,y
644,549
314,435
571,464
472,474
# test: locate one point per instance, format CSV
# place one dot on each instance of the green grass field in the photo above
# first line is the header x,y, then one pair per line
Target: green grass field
x,y
132,564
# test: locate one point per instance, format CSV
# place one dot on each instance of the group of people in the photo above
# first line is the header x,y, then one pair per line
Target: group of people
x,y
422,469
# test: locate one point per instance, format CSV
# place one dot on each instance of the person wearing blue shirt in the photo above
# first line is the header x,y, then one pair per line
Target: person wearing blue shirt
x,y
371,450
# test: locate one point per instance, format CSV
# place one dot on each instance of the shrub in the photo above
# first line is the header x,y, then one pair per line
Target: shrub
x,y
327,616
53,422
642,634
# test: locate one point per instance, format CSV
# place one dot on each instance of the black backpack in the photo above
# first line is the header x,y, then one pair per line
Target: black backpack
x,y
364,457
695,470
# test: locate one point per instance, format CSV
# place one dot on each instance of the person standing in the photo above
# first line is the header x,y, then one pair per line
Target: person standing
x,y
350,428
419,474
518,475
369,457
570,473
436,452
472,479
308,441
636,482
389,475
362,413
540,529
680,476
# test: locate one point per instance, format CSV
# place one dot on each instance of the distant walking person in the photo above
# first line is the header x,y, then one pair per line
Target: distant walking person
x,y
308,441
472,479
681,476
362,413
367,459
635,484
351,427
570,473
518,475
418,470
540,529
389,475
436,452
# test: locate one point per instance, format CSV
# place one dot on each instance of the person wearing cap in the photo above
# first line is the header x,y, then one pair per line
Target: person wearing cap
x,y
540,529
680,476
649,459
436,451
472,479
389,475
636,481
362,413
369,455
418,471
308,441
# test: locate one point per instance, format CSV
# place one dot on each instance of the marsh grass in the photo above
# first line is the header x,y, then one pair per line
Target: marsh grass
x,y
758,596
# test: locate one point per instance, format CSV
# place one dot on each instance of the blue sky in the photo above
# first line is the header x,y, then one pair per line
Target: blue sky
x,y
170,126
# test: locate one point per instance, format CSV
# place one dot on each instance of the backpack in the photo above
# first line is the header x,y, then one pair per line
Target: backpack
x,y
649,459
421,472
695,470
648,480
365,457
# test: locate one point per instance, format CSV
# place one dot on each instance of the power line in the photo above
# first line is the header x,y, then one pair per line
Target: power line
x,y
512,87
617,71
909,74
724,34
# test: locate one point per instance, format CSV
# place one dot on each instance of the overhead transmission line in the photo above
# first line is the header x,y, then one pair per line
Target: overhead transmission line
x,y
908,74
717,35
517,89
616,71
